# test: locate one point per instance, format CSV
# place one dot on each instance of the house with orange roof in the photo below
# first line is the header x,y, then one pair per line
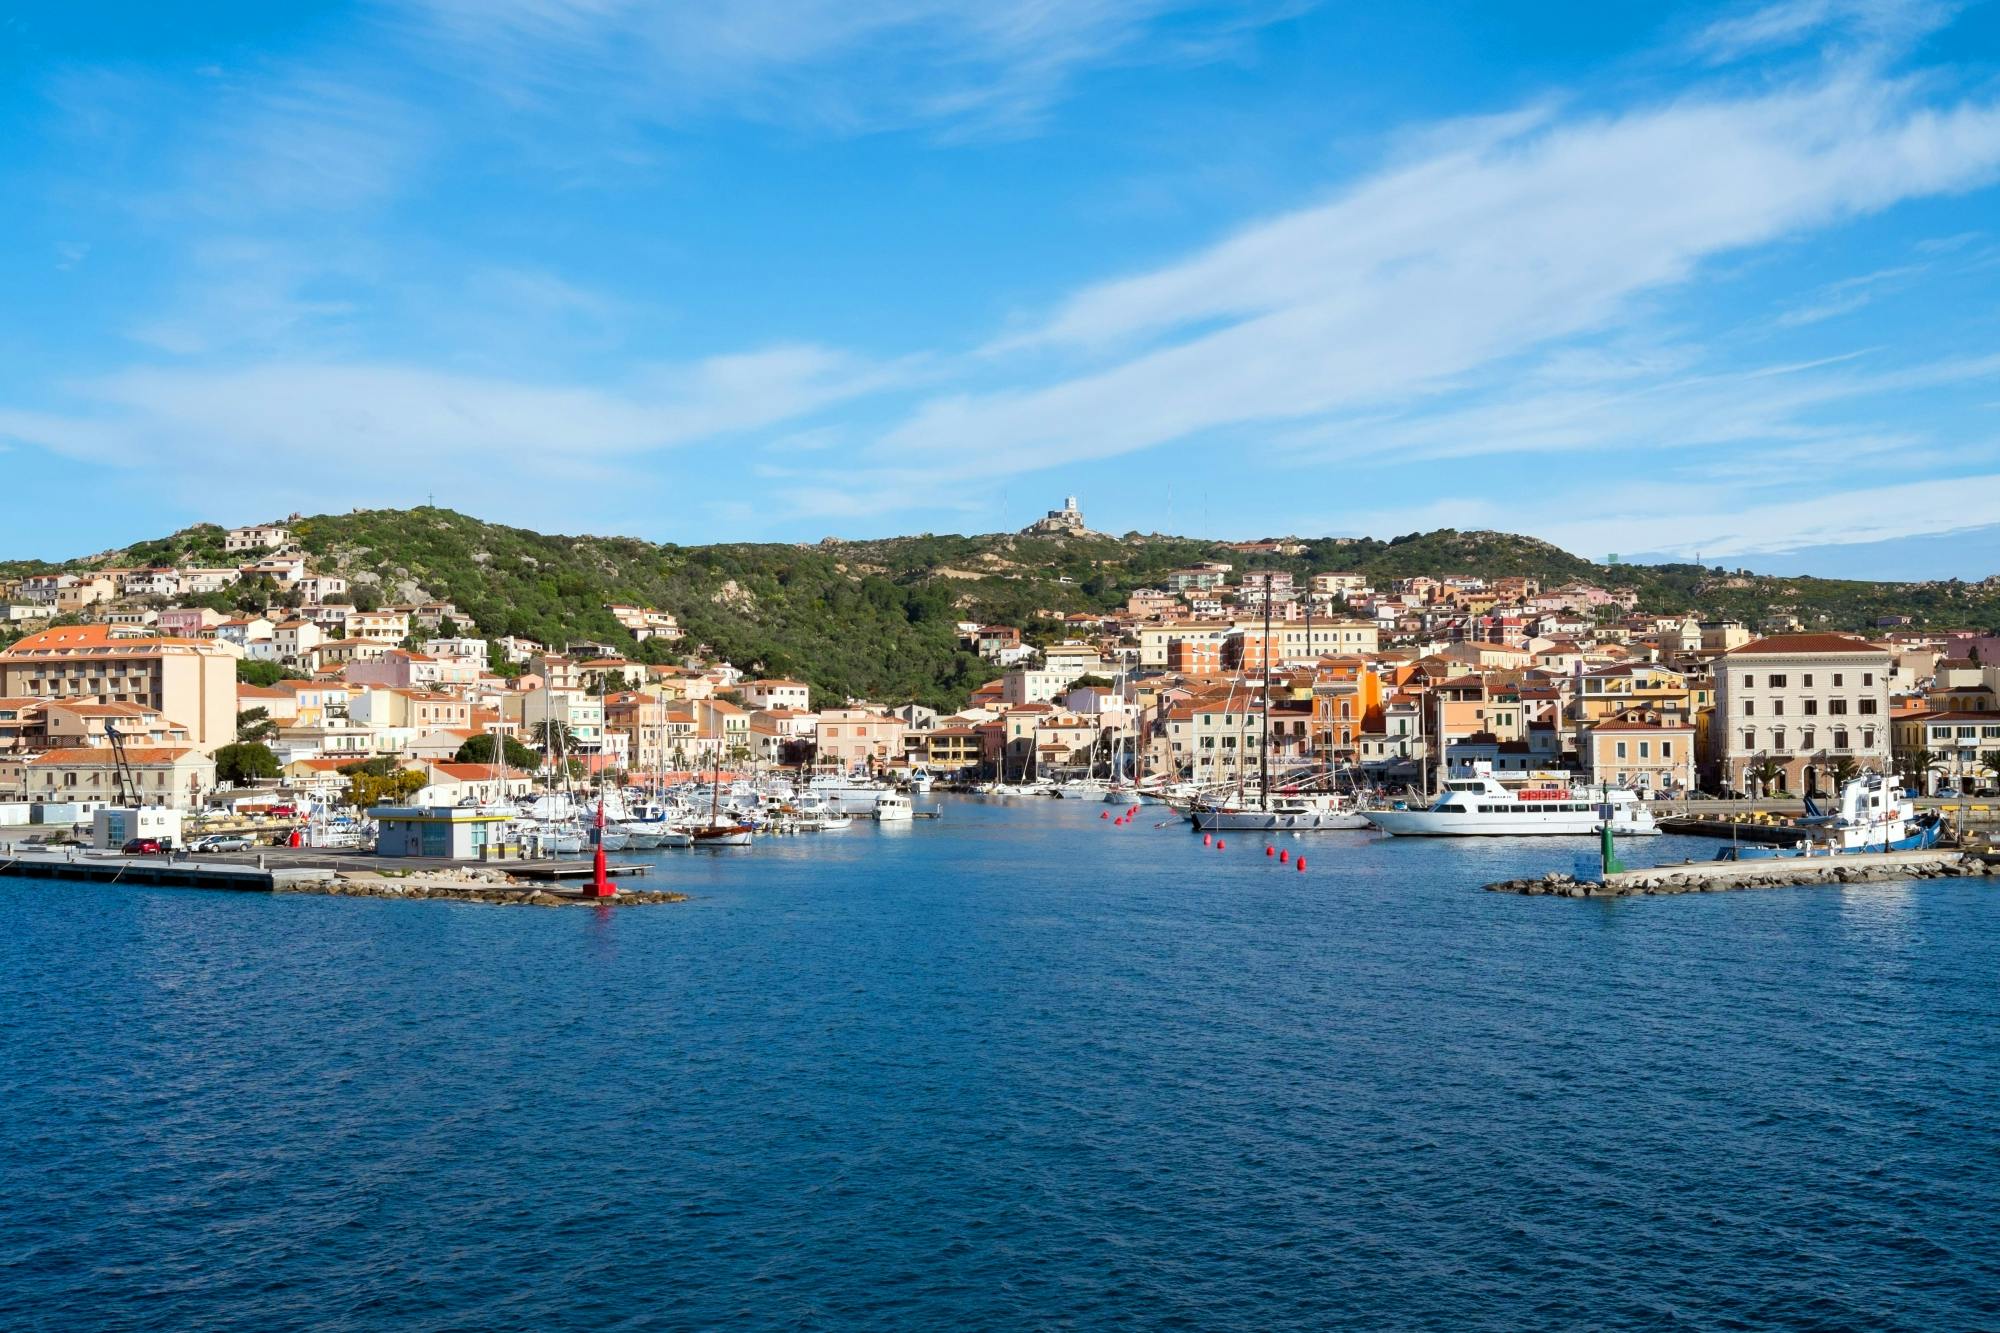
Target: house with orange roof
x,y
189,681
176,776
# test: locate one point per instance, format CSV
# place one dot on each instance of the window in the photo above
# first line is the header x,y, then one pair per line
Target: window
x,y
1778,739
1778,707
1838,707
1666,749
1807,680
1866,708
1867,678
1749,708
1836,680
1812,707
1749,681
1777,682
1620,753
1868,738
1840,738
1645,749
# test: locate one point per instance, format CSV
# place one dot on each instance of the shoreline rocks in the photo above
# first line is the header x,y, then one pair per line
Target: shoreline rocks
x,y
473,886
1724,876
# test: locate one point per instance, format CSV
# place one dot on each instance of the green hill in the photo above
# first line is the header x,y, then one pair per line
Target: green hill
x,y
876,619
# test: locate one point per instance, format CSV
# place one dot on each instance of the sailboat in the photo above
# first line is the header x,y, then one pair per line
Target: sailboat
x,y
719,832
1274,809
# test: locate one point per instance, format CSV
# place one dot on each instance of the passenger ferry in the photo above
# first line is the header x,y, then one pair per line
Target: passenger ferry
x,y
1480,806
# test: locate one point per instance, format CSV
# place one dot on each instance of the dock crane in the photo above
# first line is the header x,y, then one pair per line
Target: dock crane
x,y
128,782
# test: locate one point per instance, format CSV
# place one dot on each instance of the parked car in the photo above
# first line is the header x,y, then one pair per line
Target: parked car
x,y
222,842
1947,791
143,846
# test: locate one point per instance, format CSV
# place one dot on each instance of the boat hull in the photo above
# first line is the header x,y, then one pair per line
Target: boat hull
x,y
1433,824
1271,821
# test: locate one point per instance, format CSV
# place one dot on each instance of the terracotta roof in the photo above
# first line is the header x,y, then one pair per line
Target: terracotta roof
x,y
1642,726
93,636
1807,643
102,755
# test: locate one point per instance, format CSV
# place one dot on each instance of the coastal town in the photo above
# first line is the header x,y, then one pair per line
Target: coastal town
x,y
1224,674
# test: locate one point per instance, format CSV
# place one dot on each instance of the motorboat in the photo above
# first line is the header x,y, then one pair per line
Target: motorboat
x,y
894,808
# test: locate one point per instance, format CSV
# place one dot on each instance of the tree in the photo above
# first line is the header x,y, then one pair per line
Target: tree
x,y
552,734
1844,771
1991,758
245,762
265,674
367,597
380,767
1769,775
1917,769
479,750
255,724
368,789
447,628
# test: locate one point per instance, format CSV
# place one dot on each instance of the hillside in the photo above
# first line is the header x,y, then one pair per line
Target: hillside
x,y
876,618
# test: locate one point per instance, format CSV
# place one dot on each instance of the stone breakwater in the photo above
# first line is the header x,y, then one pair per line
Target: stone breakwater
x,y
1721,876
469,887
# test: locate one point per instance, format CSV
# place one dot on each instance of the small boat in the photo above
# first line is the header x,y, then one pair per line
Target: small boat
x,y
722,833
894,808
1872,816
1280,812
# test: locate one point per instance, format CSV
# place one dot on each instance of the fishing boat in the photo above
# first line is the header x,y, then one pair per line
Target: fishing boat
x,y
1871,816
1481,806
894,808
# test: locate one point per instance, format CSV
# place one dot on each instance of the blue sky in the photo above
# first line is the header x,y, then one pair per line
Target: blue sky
x,y
1637,278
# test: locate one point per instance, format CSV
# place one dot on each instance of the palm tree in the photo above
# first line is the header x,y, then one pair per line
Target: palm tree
x,y
1991,758
552,734
1844,771
1769,775
1917,768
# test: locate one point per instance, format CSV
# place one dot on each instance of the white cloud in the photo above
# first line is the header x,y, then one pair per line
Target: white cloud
x,y
1403,284
333,434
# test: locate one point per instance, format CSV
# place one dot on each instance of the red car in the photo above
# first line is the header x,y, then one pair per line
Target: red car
x,y
140,846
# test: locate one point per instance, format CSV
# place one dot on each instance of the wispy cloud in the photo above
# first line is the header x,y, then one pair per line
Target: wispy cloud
x,y
1403,284
1789,23
837,65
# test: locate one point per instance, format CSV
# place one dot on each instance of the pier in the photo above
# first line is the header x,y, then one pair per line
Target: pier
x,y
1785,872
335,873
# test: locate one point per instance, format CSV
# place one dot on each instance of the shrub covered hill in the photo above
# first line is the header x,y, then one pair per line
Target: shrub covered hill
x,y
875,619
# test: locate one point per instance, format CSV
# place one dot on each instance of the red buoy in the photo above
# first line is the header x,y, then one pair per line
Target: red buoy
x,y
1220,844
1302,863
1285,855
1104,814
1207,839
1269,850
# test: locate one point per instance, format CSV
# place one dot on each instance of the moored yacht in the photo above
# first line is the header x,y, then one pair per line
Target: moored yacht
x,y
1481,806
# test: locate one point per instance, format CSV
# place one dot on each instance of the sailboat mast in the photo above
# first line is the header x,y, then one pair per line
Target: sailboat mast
x,y
1264,745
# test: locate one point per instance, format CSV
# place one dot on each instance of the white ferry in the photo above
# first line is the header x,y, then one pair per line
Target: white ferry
x,y
1479,806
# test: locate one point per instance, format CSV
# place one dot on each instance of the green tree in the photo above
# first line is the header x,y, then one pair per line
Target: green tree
x,y
1991,758
1844,771
552,734
1769,775
255,724
367,597
368,789
265,674
479,750
245,762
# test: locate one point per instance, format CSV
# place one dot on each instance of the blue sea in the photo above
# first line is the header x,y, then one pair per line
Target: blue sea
x,y
1011,1068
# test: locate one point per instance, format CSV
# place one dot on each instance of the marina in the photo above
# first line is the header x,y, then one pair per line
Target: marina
x,y
1100,1008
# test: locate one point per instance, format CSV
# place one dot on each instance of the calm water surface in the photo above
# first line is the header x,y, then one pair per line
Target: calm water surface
x,y
1010,1068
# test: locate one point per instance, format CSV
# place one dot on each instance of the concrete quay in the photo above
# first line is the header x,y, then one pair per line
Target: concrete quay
x,y
1782,872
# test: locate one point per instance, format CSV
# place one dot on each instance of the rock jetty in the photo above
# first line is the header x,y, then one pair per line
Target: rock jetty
x,y
1721,876
471,886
